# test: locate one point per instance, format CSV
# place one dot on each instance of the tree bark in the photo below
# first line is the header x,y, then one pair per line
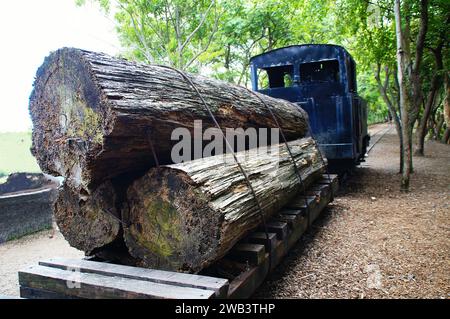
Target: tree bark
x,y
94,115
422,129
446,136
383,89
183,217
405,100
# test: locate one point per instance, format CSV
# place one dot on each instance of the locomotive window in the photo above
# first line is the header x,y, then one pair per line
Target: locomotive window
x,y
322,71
276,77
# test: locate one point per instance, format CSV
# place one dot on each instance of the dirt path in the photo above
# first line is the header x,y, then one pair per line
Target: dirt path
x,y
374,241
17,254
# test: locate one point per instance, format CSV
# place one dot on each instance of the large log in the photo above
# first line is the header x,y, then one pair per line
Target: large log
x,y
93,115
89,222
185,216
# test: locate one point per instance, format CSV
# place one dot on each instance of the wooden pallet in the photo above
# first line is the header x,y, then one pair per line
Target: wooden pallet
x,y
237,275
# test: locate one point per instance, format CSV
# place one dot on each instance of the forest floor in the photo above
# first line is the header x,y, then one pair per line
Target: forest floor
x,y
375,241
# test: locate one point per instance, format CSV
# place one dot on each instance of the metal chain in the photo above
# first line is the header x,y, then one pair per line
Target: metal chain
x,y
297,172
231,149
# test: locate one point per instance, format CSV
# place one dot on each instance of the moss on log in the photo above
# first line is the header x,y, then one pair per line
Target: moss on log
x,y
93,114
185,216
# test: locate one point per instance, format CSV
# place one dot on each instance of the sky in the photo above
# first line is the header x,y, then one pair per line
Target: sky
x,y
29,31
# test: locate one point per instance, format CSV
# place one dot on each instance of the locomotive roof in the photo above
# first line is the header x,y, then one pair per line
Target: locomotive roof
x,y
299,53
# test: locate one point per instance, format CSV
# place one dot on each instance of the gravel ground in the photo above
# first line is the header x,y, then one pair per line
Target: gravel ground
x,y
374,241
17,254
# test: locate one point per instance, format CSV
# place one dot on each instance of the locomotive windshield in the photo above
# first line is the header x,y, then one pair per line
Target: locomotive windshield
x,y
276,77
325,71
322,71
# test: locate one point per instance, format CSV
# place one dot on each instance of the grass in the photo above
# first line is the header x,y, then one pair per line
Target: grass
x,y
375,118
15,155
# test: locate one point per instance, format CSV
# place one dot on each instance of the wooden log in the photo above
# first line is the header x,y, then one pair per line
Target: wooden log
x,y
94,115
185,216
88,222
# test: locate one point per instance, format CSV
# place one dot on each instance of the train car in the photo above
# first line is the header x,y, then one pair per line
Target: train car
x,y
321,79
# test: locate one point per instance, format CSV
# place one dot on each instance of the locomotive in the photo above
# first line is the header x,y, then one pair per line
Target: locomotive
x,y
321,79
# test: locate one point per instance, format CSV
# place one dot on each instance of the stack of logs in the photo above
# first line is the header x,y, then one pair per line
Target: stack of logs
x,y
106,125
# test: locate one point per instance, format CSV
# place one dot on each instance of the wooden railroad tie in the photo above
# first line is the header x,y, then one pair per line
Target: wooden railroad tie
x,y
246,265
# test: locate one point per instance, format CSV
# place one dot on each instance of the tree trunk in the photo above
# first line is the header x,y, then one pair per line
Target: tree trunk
x,y
431,99
405,101
446,137
185,216
94,115
392,110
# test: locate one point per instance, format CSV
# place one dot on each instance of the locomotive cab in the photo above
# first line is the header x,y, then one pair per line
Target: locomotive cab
x,y
321,79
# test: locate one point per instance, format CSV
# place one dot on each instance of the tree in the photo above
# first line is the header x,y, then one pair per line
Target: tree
x,y
367,28
171,32
433,72
248,28
412,96
218,38
408,70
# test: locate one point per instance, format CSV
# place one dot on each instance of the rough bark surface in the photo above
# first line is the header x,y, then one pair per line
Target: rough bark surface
x,y
185,216
94,115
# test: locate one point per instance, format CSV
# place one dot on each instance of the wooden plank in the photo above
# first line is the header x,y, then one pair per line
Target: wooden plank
x,y
301,201
244,286
279,228
329,177
317,188
297,232
246,283
291,220
251,253
32,293
93,286
293,212
218,285
325,197
261,238
333,180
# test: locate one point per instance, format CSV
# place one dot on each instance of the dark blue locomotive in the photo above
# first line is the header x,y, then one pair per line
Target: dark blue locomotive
x,y
321,79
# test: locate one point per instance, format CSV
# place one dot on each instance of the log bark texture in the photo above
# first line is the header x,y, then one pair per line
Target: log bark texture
x,y
183,217
94,115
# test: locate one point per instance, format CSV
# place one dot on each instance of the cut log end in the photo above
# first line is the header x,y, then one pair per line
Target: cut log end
x,y
65,106
168,228
86,224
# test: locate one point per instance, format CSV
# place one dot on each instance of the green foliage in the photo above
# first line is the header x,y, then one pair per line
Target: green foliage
x,y
218,37
173,32
15,155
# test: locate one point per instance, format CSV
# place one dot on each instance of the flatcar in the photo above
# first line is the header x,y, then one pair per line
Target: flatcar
x,y
321,79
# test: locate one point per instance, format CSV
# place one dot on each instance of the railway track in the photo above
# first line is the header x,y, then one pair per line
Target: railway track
x,y
376,137
379,134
